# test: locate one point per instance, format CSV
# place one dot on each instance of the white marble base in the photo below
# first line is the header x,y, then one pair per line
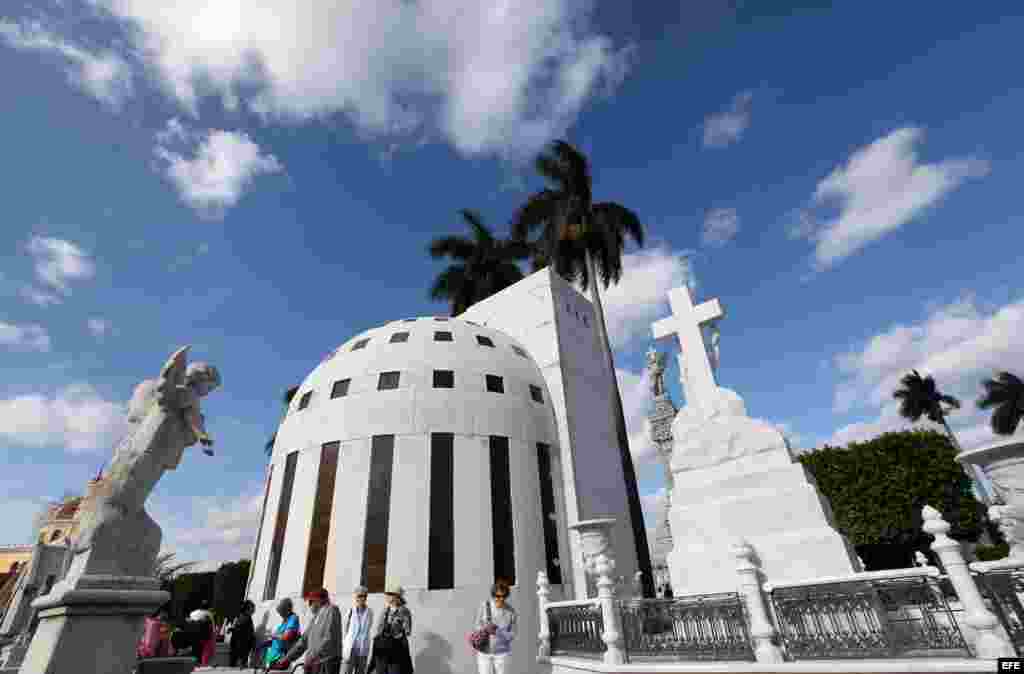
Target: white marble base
x,y
765,499
94,627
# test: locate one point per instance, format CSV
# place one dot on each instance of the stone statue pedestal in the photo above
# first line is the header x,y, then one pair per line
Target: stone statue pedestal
x,y
735,478
92,626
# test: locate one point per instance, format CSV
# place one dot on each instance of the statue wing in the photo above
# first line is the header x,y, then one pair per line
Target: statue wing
x,y
172,375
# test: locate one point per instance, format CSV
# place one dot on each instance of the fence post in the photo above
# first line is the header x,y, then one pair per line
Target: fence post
x,y
988,643
612,634
543,592
762,631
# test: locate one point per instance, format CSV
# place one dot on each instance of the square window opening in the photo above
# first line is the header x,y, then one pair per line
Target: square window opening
x,y
495,384
399,337
444,379
360,344
536,394
304,400
387,381
340,388
484,341
442,336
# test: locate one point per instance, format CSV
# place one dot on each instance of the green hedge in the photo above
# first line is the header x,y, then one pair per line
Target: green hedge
x,y
877,488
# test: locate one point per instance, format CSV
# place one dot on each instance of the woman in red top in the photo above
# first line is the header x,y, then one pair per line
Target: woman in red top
x,y
156,637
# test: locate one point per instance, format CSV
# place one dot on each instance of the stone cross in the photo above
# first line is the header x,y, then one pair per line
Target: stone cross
x,y
685,323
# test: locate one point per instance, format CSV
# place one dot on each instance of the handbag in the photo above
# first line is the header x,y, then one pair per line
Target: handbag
x,y
478,638
384,642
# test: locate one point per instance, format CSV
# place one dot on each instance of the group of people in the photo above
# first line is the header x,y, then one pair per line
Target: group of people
x,y
356,643
161,640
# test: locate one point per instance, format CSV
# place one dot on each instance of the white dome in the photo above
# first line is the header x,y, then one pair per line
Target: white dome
x,y
436,489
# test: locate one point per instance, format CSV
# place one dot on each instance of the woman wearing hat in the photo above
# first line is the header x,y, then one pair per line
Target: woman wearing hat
x,y
393,629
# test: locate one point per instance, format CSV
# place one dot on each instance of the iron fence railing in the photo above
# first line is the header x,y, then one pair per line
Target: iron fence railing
x,y
871,618
696,627
1003,590
575,629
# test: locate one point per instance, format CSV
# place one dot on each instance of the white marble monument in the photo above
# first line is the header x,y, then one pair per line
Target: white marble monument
x,y
735,477
91,620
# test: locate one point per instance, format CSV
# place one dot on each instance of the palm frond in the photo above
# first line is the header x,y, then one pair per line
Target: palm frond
x,y
576,169
619,219
1005,392
455,247
540,210
448,283
480,231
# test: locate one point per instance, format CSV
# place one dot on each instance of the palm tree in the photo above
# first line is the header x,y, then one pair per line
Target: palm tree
x,y
919,396
483,265
1005,392
286,400
583,241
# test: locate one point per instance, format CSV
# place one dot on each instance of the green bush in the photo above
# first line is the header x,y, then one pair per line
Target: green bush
x,y
877,489
989,553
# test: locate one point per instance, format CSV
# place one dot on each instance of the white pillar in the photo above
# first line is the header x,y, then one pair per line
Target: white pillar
x,y
762,632
988,643
543,592
595,540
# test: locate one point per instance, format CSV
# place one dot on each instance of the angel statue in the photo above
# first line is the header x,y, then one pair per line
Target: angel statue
x,y
117,535
716,336
656,368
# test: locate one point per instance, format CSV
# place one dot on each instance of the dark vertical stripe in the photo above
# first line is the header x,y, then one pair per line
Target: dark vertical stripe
x,y
501,511
441,559
378,503
259,531
277,546
547,506
320,529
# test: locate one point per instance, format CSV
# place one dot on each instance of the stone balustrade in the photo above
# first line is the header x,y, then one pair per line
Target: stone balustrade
x,y
915,616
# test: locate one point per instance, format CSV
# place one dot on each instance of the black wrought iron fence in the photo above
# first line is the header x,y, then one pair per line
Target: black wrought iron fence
x,y
696,627
575,630
871,618
1002,590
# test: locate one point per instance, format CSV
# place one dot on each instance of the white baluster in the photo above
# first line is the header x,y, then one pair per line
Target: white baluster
x,y
543,592
988,643
761,629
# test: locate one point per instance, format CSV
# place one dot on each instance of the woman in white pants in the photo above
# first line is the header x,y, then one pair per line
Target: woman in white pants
x,y
499,619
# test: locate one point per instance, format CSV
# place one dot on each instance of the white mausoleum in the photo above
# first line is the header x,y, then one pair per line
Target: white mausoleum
x,y
442,454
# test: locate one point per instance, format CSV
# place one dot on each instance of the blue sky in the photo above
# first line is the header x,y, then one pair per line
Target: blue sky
x,y
263,186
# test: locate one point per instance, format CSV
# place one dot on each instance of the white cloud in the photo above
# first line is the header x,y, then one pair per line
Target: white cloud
x,y
212,530
39,297
99,327
492,76
104,75
879,189
57,262
959,344
30,337
641,296
216,167
720,226
77,419
727,127
635,389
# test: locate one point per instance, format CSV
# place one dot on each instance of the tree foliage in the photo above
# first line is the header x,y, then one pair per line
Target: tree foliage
x,y
482,265
1004,393
229,588
166,569
877,488
188,592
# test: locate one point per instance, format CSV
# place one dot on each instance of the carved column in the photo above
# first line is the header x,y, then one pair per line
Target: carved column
x,y
988,643
595,540
543,592
762,632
